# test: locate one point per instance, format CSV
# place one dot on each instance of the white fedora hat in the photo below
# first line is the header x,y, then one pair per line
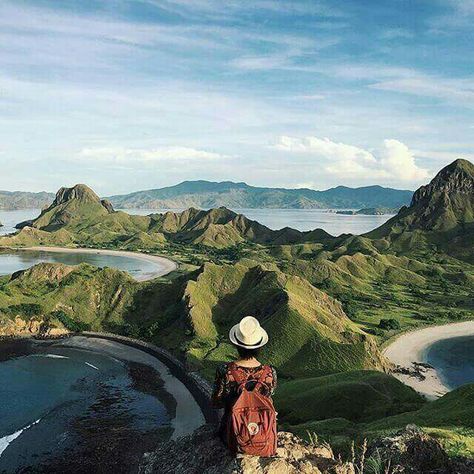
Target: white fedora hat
x,y
248,334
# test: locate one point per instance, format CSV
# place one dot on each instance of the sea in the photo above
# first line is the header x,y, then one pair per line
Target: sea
x,y
453,360
300,219
70,410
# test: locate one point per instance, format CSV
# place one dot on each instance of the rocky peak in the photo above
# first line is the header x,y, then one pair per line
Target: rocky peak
x,y
79,192
458,177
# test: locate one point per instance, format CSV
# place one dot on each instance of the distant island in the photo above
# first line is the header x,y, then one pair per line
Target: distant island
x,y
329,303
369,211
16,200
208,194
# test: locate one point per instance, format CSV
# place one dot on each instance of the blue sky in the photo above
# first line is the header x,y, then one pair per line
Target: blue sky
x,y
126,95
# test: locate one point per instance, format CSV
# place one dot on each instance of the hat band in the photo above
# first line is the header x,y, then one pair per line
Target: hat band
x,y
247,345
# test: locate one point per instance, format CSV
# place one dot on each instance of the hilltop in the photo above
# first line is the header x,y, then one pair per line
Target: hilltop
x,y
208,194
327,302
441,215
78,216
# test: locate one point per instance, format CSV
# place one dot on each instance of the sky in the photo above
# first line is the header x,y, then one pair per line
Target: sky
x,y
125,95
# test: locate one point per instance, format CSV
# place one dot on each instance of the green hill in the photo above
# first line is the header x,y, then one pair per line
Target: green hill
x,y
439,218
309,332
78,216
207,194
49,296
450,418
356,405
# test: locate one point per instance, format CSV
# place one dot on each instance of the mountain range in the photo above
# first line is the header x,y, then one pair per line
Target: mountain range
x,y
323,299
208,194
15,200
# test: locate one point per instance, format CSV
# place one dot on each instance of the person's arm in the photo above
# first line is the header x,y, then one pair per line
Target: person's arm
x,y
217,399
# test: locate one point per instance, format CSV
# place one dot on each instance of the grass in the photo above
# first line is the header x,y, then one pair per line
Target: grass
x,y
322,300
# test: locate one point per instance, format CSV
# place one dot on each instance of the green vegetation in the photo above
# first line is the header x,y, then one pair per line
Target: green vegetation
x,y
360,396
450,418
328,303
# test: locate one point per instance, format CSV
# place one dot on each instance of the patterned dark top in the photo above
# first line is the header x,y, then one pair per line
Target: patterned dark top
x,y
225,387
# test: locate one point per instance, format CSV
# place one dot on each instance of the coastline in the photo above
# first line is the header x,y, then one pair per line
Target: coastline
x,y
164,265
188,417
409,349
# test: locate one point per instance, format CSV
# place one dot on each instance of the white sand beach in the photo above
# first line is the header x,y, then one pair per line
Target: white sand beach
x,y
188,417
411,348
163,265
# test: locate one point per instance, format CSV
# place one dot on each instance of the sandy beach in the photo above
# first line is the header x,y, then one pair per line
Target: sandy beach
x,y
163,265
189,416
411,348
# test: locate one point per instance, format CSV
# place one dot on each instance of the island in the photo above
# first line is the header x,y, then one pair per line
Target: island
x,y
369,211
329,303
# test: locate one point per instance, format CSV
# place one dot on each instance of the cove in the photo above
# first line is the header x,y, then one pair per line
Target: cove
x,y
83,404
140,266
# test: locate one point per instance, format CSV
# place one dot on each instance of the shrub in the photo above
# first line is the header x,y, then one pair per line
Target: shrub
x,y
27,309
389,324
69,323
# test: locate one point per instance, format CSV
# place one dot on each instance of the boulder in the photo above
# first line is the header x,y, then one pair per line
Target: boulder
x,y
203,453
412,451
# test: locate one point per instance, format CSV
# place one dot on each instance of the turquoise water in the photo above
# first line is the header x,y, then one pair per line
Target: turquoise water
x,y
68,407
453,359
19,260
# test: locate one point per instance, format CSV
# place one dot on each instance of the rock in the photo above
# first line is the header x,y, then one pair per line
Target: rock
x,y
412,451
203,453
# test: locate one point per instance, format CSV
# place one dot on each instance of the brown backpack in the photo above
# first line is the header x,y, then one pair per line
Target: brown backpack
x,y
251,426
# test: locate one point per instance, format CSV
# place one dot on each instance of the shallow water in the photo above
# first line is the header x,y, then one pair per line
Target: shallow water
x,y
69,407
13,261
453,359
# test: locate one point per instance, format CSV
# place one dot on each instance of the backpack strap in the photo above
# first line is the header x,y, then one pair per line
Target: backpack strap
x,y
241,378
266,371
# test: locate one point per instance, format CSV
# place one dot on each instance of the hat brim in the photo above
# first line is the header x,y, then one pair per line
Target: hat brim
x,y
235,341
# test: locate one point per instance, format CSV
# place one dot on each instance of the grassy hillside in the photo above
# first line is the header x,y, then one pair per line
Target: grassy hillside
x,y
351,406
354,396
439,219
49,296
450,418
309,332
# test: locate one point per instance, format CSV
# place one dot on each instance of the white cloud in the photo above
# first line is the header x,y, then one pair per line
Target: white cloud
x,y
398,161
394,162
121,155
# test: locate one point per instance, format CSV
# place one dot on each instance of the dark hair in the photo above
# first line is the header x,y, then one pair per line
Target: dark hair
x,y
245,353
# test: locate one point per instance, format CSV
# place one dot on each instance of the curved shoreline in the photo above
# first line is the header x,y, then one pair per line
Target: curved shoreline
x,y
410,348
189,415
164,265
